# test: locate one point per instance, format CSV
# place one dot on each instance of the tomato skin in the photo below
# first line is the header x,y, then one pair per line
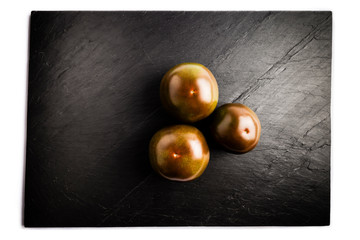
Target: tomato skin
x,y
179,153
236,127
189,92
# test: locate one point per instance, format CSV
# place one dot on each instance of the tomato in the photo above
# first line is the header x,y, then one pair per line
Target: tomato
x,y
236,127
179,153
189,92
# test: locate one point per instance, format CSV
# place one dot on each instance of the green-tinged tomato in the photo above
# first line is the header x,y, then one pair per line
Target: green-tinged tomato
x,y
189,92
236,127
179,153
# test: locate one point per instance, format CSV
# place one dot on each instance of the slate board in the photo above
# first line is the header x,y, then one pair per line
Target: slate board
x,y
93,105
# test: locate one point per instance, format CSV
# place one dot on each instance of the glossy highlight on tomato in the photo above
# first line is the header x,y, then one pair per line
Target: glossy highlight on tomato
x,y
189,92
236,127
179,153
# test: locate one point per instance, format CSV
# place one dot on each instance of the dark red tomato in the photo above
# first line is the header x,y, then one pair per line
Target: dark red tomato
x,y
189,91
236,127
179,153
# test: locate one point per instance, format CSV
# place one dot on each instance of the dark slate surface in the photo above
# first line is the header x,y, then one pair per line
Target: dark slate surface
x,y
94,105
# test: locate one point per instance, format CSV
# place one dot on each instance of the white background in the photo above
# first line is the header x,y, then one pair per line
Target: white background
x,y
345,196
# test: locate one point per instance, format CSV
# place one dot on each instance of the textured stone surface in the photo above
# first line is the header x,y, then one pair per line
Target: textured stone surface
x,y
94,104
